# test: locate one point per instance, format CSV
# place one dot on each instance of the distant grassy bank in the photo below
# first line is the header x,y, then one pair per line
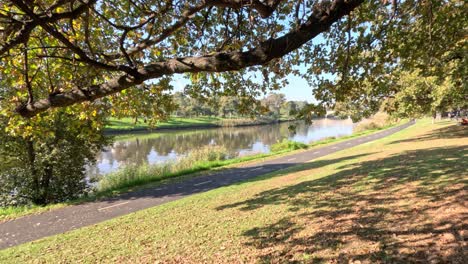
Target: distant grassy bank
x,y
130,124
396,200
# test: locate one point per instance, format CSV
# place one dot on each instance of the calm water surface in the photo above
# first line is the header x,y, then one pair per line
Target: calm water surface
x,y
160,147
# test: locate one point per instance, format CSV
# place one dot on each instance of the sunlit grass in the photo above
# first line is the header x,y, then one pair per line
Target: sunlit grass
x,y
128,124
11,212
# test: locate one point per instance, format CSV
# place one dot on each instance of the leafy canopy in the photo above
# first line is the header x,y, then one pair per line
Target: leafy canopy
x,y
57,53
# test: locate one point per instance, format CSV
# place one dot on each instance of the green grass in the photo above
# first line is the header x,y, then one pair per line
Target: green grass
x,y
286,144
146,179
129,124
174,122
395,200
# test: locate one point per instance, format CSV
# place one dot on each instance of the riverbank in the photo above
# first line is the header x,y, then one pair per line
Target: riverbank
x,y
128,125
396,199
146,179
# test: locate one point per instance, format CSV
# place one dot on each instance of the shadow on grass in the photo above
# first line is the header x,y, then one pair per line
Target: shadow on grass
x,y
409,207
453,131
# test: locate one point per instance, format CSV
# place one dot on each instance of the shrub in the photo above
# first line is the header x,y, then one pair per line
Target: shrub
x,y
378,121
50,167
286,144
367,126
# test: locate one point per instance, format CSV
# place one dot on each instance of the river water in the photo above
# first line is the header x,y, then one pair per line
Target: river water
x,y
164,146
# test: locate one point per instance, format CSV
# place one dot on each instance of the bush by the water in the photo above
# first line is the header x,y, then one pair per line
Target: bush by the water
x,y
286,144
48,167
377,121
132,175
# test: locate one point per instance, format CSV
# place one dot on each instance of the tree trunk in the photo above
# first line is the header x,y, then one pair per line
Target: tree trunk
x,y
32,166
45,185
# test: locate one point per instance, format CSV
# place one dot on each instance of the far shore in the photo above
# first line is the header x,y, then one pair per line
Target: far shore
x,y
214,123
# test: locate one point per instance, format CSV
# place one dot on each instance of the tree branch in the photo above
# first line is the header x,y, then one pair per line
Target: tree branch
x,y
265,10
60,37
319,21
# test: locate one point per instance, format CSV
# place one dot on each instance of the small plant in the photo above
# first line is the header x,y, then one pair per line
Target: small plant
x,y
209,153
286,144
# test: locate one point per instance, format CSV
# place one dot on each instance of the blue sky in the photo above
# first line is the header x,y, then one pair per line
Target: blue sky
x,y
298,89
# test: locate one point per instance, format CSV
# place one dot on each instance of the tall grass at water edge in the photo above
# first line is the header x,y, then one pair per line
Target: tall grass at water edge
x,y
196,160
376,122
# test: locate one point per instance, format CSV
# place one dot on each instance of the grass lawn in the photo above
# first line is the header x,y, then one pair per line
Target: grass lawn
x,y
396,200
128,124
174,122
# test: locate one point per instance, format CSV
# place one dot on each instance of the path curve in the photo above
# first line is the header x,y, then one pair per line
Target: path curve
x,y
33,227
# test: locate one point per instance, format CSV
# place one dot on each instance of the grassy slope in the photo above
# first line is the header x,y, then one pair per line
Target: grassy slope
x,y
174,122
9,213
399,199
128,124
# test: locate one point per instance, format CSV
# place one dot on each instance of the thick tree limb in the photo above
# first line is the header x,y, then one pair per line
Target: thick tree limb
x,y
319,21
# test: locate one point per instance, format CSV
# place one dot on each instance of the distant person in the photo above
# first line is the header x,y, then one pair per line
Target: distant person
x,y
464,122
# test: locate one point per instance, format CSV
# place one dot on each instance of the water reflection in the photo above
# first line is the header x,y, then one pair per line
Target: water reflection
x,y
163,146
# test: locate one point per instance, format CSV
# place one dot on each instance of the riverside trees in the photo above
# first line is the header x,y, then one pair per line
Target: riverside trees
x,y
61,53
273,105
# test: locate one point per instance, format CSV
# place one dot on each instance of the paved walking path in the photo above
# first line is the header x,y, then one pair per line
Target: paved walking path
x,y
32,227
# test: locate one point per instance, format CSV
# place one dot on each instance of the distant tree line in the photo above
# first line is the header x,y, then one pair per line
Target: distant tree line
x,y
273,105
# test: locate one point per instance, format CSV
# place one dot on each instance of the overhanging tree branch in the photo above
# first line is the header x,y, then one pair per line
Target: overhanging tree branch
x,y
319,21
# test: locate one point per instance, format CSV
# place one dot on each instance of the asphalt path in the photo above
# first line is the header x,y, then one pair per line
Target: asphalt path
x,y
33,227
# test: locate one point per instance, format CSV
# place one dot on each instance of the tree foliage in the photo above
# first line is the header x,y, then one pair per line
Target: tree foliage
x,y
382,51
59,53
273,105
48,168
419,95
